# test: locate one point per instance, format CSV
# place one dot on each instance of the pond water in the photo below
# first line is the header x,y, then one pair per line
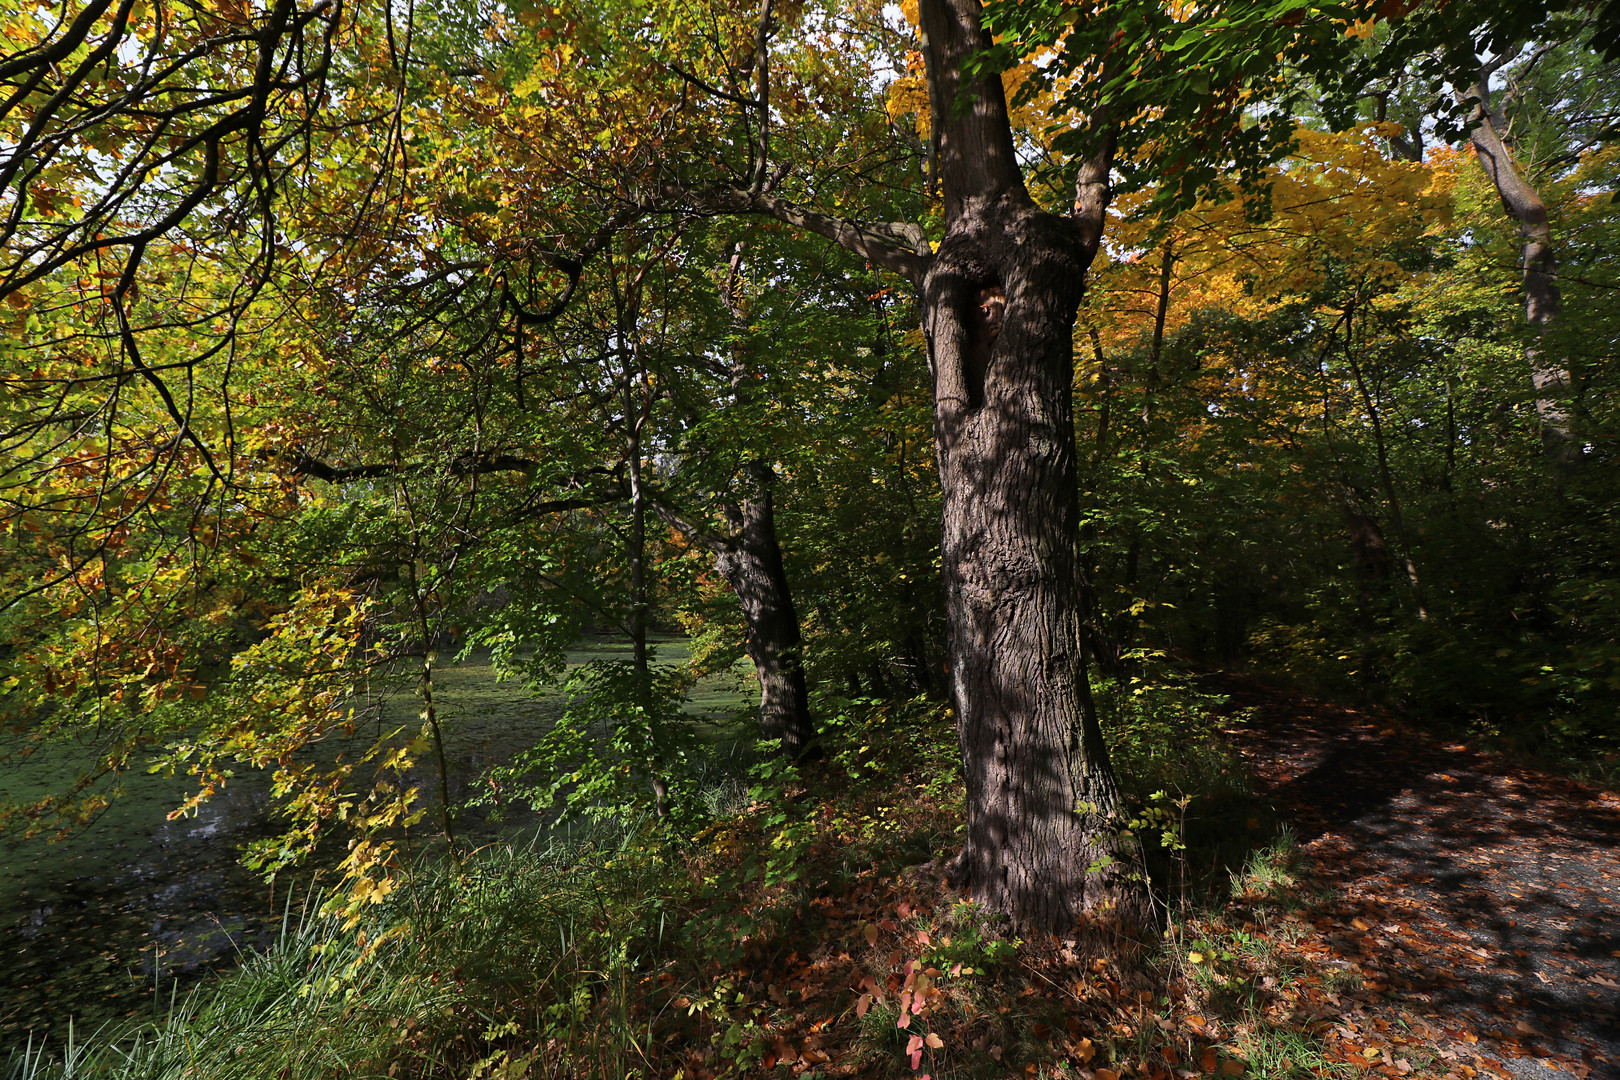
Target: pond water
x,y
116,919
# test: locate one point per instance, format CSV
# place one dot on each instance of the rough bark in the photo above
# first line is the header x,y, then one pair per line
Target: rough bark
x,y
751,563
1549,375
999,302
750,559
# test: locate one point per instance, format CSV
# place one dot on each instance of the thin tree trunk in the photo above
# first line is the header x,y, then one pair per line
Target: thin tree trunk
x,y
636,541
430,710
1549,374
636,549
1385,477
999,304
1105,393
1167,265
636,545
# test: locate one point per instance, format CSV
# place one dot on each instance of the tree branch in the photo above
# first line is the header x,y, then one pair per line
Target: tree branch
x,y
683,522
762,94
706,88
1094,188
900,247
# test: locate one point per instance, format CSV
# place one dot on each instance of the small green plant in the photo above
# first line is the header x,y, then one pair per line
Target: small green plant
x,y
970,945
1164,733
1280,1052
622,750
1273,870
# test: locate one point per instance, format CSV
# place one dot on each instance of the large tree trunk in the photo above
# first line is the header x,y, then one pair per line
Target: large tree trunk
x,y
751,562
999,303
1549,375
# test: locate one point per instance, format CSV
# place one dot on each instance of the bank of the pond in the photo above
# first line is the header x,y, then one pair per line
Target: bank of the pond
x,y
118,918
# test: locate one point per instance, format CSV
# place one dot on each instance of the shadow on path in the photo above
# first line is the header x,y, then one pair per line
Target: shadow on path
x,y
1472,888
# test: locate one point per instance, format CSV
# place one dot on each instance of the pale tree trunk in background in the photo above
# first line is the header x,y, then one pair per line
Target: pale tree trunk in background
x,y
999,301
1549,375
636,540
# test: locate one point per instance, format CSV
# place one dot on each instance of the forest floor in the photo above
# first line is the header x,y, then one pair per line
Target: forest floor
x,y
1428,911
1477,900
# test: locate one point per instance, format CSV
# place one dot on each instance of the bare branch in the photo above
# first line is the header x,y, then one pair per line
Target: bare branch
x,y
737,99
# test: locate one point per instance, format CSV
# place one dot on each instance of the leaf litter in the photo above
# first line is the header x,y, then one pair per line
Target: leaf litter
x,y
1445,913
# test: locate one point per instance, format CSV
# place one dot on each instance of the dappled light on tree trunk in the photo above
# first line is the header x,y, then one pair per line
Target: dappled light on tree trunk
x,y
713,538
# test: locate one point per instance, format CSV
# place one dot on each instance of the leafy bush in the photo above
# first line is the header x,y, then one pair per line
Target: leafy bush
x,y
503,966
1187,793
1164,733
622,736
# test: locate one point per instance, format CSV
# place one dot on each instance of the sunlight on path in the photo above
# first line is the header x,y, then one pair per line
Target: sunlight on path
x,y
1477,897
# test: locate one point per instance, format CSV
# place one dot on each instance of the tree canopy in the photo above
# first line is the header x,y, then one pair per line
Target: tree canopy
x,y
343,340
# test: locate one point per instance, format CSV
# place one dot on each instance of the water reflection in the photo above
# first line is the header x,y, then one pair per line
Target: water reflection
x,y
114,920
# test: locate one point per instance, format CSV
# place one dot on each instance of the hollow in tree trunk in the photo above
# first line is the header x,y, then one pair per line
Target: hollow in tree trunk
x,y
999,301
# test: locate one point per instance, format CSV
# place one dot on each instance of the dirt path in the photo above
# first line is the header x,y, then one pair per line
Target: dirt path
x,y
1481,897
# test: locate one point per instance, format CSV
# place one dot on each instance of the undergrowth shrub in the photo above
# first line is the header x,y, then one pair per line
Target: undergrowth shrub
x,y
517,962
724,937
1186,789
